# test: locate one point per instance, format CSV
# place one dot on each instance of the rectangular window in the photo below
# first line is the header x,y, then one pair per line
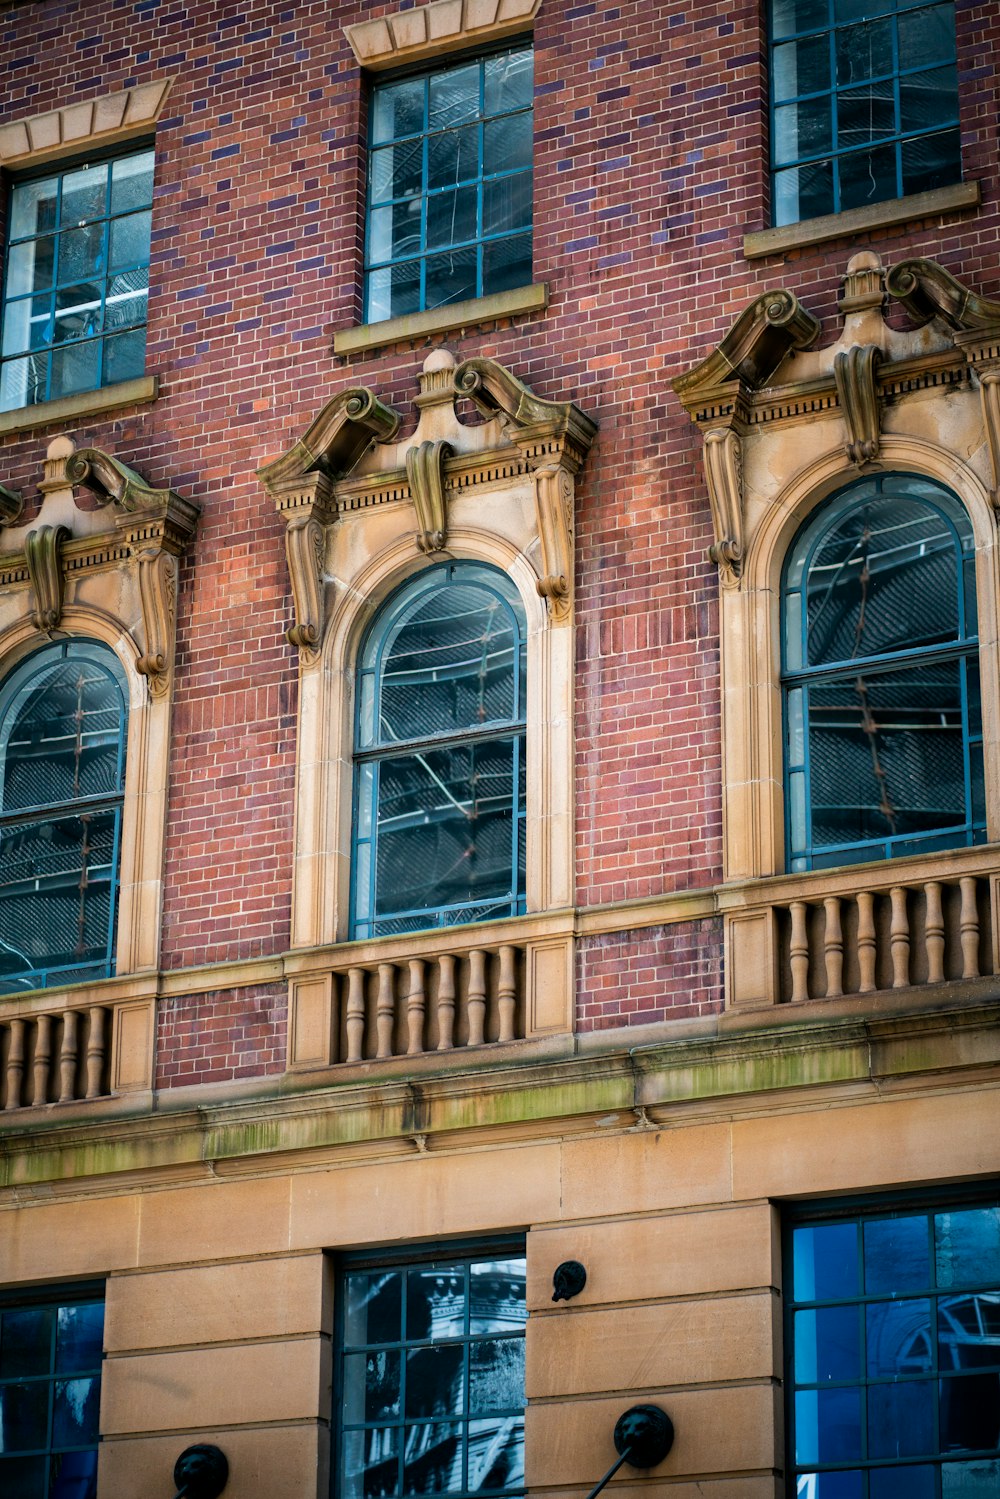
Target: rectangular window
x,y
50,1393
864,103
76,282
894,1333
449,185
432,1376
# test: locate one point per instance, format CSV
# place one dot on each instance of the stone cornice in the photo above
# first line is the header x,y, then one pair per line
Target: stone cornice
x,y
725,1067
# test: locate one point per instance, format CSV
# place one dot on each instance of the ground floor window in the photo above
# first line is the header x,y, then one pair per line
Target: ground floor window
x,y
893,1337
431,1386
51,1346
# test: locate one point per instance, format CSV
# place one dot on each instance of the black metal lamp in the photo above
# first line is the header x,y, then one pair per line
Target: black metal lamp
x,y
644,1434
201,1472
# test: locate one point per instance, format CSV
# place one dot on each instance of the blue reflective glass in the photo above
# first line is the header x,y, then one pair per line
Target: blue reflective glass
x,y
897,1254
825,1261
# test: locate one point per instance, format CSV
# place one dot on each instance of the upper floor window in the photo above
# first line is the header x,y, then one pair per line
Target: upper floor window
x,y
440,755
449,185
76,282
62,777
893,1323
51,1347
864,103
883,726
432,1392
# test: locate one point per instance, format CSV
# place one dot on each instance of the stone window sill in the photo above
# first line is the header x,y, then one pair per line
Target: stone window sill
x,y
504,304
859,220
86,403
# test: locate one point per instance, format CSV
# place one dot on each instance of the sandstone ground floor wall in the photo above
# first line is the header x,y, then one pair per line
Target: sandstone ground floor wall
x,y
220,1305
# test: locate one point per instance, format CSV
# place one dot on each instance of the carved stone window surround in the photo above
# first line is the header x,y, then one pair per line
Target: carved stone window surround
x,y
108,574
84,125
932,408
361,516
67,408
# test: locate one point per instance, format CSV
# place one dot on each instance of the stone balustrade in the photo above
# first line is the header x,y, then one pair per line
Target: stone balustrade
x,y
67,1053
431,992
862,930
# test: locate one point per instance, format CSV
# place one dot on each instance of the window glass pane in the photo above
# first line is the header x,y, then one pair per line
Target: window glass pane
x,y
902,1483
901,1419
970,1413
371,1462
863,51
827,1344
507,263
396,230
972,1480
435,1302
31,266
84,195
125,353
931,161
372,1386
927,36
507,204
801,67
898,1337
509,81
498,1296
897,1254
33,208
394,291
397,171
827,1426
75,1412
80,1337
374,1304
62,737
454,97
75,367
24,1416
967,1247
78,312
398,109
130,240
27,324
81,253
867,177
435,1380
453,157
803,193
507,143
837,1485
825,1261
789,16
452,216
496,1453
496,1375
432,1462
23,1478
451,277
25,1341
866,114
802,130
132,182
928,99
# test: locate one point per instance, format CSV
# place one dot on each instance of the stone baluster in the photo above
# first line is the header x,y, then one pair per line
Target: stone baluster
x,y
416,1005
507,992
15,1065
41,1067
355,1014
799,951
866,941
95,1052
68,1054
969,924
385,1010
899,938
446,1002
934,933
833,947
477,996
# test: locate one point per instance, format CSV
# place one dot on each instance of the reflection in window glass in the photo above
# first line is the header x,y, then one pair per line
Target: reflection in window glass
x,y
62,767
895,1395
48,1423
883,726
77,272
441,1411
450,185
864,102
440,762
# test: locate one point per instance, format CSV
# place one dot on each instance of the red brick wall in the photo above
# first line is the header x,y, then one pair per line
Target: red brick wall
x,y
650,166
219,1038
658,973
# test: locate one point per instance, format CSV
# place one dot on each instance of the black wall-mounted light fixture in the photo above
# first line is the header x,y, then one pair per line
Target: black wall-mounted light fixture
x,y
568,1280
643,1436
201,1472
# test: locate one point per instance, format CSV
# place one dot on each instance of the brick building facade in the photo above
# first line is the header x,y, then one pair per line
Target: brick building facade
x,y
693,1037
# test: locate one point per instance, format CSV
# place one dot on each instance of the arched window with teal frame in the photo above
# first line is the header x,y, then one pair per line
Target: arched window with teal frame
x,y
63,720
439,784
880,657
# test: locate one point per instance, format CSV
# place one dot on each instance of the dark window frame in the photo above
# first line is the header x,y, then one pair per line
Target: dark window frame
x,y
859,1210
61,168
837,151
426,71
405,1258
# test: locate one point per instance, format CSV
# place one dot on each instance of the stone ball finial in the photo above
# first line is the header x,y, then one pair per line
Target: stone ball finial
x,y
60,448
865,260
439,359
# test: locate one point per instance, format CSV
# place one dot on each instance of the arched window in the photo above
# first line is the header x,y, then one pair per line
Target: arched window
x,y
439,755
63,717
883,729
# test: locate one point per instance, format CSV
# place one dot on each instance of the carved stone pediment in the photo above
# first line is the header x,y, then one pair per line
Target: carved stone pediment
x,y
768,369
352,461
134,525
